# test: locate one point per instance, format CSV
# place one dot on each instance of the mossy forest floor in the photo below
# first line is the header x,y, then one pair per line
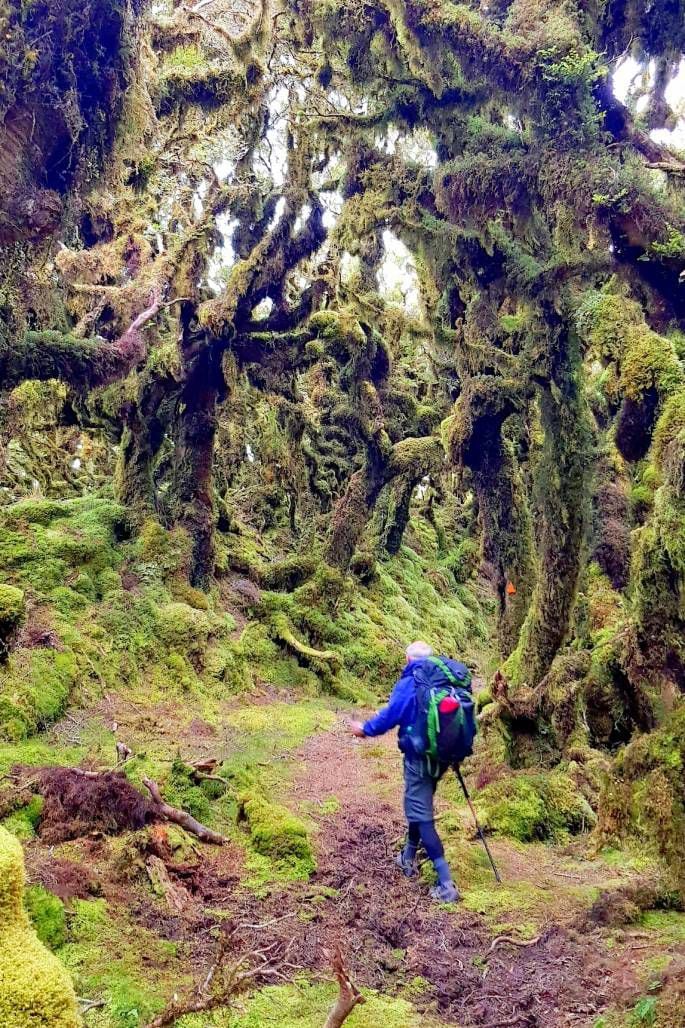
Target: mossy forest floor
x,y
418,964
116,647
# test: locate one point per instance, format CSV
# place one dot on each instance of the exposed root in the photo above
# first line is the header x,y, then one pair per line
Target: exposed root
x,y
289,638
501,939
80,802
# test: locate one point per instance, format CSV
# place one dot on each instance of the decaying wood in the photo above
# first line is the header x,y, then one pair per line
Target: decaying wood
x,y
89,1004
181,817
203,771
348,996
123,752
175,895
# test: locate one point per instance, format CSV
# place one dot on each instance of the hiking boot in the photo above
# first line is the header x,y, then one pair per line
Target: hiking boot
x,y
407,867
446,893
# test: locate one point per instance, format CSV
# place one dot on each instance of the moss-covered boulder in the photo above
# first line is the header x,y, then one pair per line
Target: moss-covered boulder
x,y
278,834
535,806
35,990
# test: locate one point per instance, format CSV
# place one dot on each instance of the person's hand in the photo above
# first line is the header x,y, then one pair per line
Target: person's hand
x,y
357,728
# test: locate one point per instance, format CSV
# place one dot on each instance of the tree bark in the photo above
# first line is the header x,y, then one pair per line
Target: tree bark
x,y
193,489
563,497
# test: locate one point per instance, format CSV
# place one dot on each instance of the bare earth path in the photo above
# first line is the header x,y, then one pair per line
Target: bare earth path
x,y
565,971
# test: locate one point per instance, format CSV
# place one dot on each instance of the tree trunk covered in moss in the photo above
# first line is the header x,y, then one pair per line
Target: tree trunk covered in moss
x,y
193,472
506,527
562,491
352,513
396,512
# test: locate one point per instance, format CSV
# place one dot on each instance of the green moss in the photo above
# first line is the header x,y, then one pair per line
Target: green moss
x,y
667,925
186,58
130,969
161,553
615,327
45,539
12,613
87,919
528,807
303,1004
278,834
47,915
183,628
182,791
24,822
34,987
279,726
644,795
35,688
464,560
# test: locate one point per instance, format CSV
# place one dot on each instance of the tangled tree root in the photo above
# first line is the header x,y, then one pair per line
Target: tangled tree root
x,y
625,905
78,802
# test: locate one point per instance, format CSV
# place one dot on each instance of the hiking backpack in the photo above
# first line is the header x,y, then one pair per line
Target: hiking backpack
x,y
444,727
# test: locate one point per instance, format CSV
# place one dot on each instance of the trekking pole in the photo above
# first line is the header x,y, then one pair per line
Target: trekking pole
x,y
457,771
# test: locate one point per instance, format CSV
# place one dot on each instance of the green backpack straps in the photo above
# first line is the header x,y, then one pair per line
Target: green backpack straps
x,y
447,672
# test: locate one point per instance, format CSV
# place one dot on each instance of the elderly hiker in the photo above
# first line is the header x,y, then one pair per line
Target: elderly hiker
x,y
432,706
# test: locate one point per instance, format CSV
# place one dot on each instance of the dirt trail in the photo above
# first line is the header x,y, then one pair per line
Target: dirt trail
x,y
394,938
390,928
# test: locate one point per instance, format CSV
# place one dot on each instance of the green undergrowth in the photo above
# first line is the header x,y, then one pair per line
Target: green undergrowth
x,y
304,1003
535,806
279,842
103,608
259,761
106,606
348,633
120,961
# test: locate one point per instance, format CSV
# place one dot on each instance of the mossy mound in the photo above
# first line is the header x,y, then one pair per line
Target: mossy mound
x,y
34,987
644,795
535,806
278,834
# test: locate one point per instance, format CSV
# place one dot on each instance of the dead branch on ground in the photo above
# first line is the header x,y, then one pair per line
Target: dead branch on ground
x,y
501,939
348,997
223,982
181,817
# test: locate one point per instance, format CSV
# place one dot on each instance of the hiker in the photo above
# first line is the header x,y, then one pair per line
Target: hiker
x,y
432,706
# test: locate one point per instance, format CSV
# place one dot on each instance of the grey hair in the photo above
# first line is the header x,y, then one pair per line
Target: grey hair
x,y
418,651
